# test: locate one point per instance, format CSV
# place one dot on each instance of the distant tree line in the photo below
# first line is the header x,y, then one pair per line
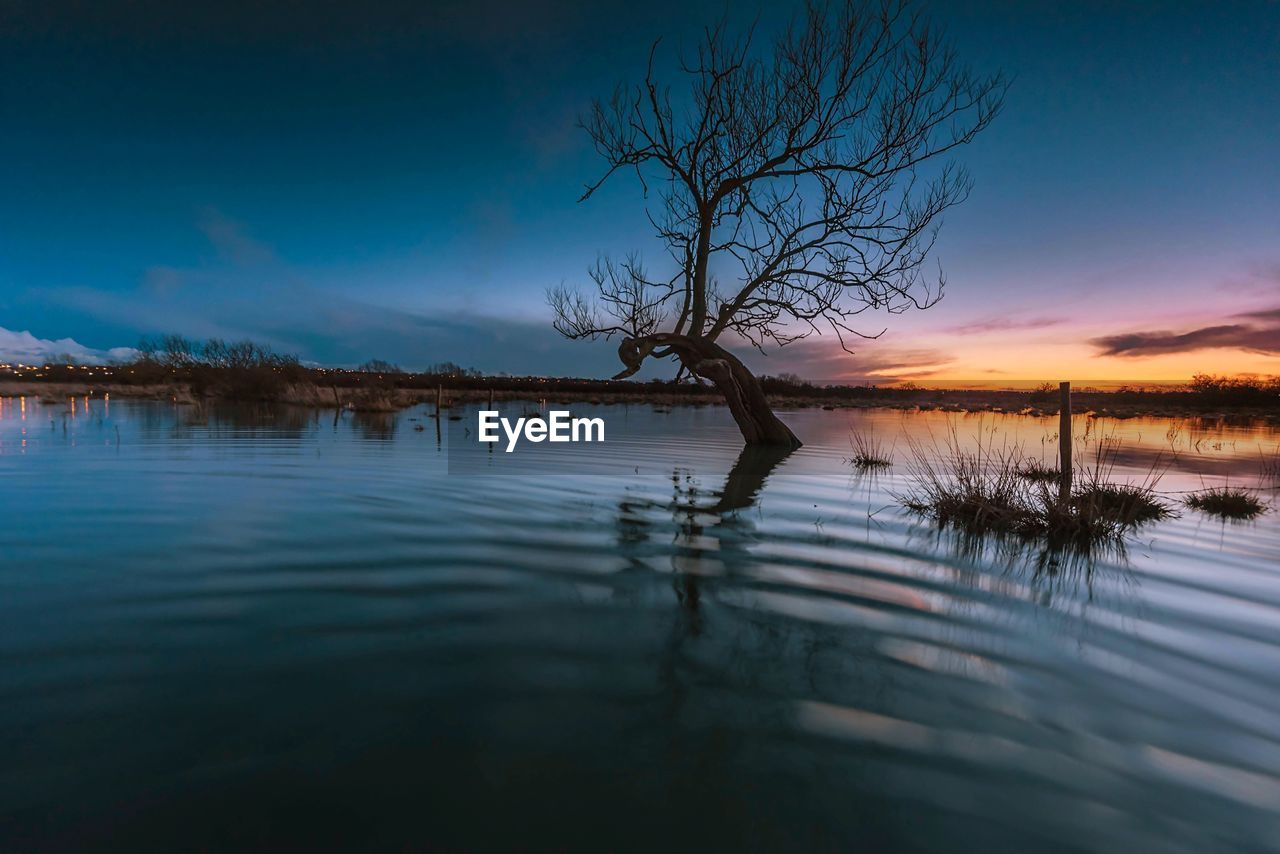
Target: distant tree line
x,y
175,351
247,370
380,366
241,370
1236,391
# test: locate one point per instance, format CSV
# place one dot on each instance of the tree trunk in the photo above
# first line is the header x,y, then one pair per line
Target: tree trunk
x,y
707,359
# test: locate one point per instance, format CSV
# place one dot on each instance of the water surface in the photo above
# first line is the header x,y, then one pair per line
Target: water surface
x,y
261,628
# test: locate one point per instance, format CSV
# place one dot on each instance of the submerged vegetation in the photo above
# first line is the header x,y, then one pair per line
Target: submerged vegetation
x,y
1038,471
992,491
868,453
1270,463
1227,502
1126,503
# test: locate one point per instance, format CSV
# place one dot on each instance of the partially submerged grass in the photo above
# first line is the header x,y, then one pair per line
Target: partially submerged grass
x,y
1270,463
975,492
987,492
1096,493
1037,471
1127,503
1227,502
868,453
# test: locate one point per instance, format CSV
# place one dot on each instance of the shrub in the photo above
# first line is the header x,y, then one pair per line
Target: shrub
x,y
240,370
868,453
1236,391
985,492
1227,502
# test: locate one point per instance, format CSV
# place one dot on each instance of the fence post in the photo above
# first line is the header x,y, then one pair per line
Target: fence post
x,y
1064,442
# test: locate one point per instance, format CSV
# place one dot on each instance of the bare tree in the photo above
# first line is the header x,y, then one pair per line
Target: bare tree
x,y
799,184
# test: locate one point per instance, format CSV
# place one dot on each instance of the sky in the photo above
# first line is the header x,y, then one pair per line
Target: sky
x,y
401,181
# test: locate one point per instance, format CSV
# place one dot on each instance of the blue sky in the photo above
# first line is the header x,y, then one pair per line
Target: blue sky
x,y
400,181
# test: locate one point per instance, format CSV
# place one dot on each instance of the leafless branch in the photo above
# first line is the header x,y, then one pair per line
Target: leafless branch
x,y
798,184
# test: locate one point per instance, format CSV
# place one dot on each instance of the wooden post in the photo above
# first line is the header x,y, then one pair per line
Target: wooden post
x,y
439,399
491,397
1064,442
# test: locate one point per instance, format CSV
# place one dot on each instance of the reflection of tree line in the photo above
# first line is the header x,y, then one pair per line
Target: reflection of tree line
x,y
260,420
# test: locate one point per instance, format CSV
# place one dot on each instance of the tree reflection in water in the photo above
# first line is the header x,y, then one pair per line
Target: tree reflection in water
x,y
707,525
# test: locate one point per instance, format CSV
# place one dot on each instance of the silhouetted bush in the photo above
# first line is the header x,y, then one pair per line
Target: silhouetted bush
x,y
449,369
1227,502
1044,393
239,370
380,366
1236,391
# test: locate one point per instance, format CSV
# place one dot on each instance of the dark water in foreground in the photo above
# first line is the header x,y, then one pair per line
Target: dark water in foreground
x,y
236,629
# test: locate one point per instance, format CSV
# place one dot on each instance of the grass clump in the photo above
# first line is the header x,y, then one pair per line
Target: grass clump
x,y
985,492
869,453
1037,471
976,492
1128,503
1227,502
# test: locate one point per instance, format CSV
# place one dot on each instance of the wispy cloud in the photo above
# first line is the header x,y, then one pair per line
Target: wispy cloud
x,y
333,329
231,240
820,359
1264,314
1261,338
1260,279
253,293
1005,324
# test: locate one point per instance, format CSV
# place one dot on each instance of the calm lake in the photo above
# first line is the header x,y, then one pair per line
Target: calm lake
x,y
247,627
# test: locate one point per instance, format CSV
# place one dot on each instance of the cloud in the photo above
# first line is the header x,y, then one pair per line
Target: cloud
x,y
229,238
1265,314
329,328
1255,338
821,359
1261,279
163,280
1001,324
27,349
253,293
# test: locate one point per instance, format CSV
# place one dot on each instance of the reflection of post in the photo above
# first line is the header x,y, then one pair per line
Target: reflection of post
x,y
439,395
1064,442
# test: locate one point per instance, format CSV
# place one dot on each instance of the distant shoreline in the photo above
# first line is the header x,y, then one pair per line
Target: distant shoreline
x,y
389,393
